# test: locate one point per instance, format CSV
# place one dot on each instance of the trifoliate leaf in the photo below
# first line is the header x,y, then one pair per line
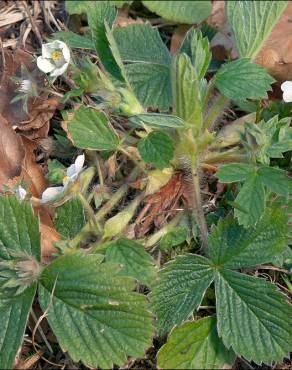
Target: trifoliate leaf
x,y
133,258
232,246
180,289
148,63
69,218
253,317
252,22
197,48
94,312
156,148
241,79
14,314
251,200
181,11
89,129
234,172
157,120
195,345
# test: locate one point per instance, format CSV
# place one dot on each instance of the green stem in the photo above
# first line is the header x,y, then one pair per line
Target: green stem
x,y
117,196
214,111
90,213
231,155
198,207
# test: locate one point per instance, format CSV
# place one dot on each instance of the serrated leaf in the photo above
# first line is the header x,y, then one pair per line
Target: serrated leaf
x,y
14,314
156,148
252,22
148,63
89,129
197,48
186,90
234,172
232,246
181,11
69,218
19,229
253,317
73,40
133,258
251,199
236,80
94,312
157,120
275,179
195,345
180,289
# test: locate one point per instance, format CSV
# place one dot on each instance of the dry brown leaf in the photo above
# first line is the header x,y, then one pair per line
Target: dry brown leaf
x,y
217,18
49,236
276,54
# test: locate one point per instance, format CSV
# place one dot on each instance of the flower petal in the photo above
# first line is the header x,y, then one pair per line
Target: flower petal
x,y
287,96
71,172
20,192
79,163
45,65
51,193
59,71
47,50
66,53
286,85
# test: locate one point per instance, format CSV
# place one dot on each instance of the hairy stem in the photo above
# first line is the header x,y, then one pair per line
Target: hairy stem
x,y
219,104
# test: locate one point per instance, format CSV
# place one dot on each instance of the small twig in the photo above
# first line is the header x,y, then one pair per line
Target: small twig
x,y
42,334
273,268
32,22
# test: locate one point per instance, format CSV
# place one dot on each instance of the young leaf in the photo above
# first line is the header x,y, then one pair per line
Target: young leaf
x,y
195,345
156,148
251,199
14,314
180,289
69,218
148,63
234,172
157,120
181,11
107,320
241,79
186,90
252,22
253,317
133,258
233,246
197,48
89,129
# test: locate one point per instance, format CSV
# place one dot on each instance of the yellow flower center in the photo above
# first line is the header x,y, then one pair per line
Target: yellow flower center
x,y
56,55
65,179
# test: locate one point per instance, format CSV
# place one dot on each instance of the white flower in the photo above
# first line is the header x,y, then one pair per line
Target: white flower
x,y
55,58
286,87
20,192
71,175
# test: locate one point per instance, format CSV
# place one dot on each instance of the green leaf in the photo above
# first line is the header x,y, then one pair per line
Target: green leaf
x,y
19,229
236,80
94,312
69,218
186,90
156,148
252,22
180,289
174,237
157,120
14,314
233,246
73,40
197,48
275,179
181,11
253,317
89,129
56,171
195,345
147,63
234,172
250,198
133,258
77,6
